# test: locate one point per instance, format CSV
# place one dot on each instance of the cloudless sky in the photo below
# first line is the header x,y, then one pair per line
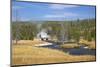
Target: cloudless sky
x,y
48,11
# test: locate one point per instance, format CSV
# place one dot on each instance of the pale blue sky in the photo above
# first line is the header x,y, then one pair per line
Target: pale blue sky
x,y
47,11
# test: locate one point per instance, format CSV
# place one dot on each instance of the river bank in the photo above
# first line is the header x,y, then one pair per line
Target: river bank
x,y
28,54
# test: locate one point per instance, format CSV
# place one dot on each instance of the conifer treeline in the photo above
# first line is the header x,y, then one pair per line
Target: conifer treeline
x,y
72,29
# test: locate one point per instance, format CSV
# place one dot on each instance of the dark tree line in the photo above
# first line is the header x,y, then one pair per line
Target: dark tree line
x,y
23,30
67,29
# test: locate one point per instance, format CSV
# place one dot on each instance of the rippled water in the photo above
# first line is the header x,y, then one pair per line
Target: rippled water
x,y
73,51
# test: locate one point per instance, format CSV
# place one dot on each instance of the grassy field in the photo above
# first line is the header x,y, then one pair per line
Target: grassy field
x,y
90,44
70,45
28,54
29,42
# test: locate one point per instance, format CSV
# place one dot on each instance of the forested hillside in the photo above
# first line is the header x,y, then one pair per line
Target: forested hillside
x,y
75,30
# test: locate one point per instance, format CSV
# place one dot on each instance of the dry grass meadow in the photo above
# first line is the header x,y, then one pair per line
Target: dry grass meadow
x,y
70,45
90,44
29,42
25,53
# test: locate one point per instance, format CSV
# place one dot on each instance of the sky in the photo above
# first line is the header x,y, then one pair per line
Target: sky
x,y
32,11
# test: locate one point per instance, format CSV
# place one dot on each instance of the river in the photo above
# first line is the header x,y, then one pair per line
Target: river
x,y
73,51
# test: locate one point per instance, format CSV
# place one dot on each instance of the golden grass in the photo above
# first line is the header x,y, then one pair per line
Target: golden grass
x,y
29,42
70,45
90,44
26,54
